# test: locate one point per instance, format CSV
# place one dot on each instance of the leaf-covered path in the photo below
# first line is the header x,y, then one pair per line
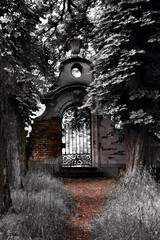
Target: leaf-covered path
x,y
89,196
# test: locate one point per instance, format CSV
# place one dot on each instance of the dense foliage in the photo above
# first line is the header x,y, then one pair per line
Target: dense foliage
x,y
127,72
34,35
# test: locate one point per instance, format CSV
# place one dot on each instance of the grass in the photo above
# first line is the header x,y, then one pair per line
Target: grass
x,y
39,210
133,212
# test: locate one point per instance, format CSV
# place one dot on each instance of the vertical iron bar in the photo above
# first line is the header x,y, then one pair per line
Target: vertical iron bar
x,y
83,137
69,138
72,140
80,148
75,140
67,147
86,143
64,138
89,139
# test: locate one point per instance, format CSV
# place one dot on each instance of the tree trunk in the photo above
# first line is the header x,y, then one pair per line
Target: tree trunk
x,y
136,147
15,145
12,139
5,199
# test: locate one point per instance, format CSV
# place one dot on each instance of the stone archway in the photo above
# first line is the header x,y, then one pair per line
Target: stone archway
x,y
105,152
76,137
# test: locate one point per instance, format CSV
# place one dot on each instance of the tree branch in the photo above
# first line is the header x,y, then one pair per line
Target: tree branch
x,y
55,24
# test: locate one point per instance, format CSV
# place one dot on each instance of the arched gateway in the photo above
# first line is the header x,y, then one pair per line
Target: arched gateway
x,y
68,134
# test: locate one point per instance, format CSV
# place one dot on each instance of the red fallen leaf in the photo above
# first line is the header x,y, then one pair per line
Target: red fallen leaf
x,y
89,196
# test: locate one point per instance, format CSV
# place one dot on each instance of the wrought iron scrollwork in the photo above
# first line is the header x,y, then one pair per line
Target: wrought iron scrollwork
x,y
79,160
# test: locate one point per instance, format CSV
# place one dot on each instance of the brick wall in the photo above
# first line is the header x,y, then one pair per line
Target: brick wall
x,y
45,140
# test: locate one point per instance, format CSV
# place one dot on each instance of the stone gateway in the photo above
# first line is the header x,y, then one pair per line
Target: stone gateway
x,y
71,133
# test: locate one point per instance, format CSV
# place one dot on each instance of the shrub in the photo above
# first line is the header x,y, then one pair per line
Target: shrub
x,y
133,212
41,209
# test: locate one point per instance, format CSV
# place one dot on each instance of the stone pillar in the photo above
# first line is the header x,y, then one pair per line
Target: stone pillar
x,y
111,147
95,140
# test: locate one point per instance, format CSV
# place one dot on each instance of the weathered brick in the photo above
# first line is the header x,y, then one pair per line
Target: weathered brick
x,y
45,140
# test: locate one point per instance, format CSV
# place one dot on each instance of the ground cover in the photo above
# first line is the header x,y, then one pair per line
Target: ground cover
x,y
102,209
89,196
133,212
39,210
126,208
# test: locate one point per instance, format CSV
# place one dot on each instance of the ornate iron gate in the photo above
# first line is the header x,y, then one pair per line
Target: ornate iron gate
x,y
76,138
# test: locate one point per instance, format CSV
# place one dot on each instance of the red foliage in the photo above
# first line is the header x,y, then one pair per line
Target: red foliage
x,y
89,196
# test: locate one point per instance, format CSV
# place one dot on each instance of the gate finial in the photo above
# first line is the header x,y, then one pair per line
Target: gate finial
x,y
75,44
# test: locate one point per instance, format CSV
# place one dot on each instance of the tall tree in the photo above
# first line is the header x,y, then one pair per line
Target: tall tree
x,y
15,104
127,72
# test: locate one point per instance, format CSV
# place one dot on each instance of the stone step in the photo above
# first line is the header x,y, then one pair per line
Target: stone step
x,y
80,172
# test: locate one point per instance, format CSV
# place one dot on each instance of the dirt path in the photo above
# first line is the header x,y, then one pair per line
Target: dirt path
x,y
89,196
